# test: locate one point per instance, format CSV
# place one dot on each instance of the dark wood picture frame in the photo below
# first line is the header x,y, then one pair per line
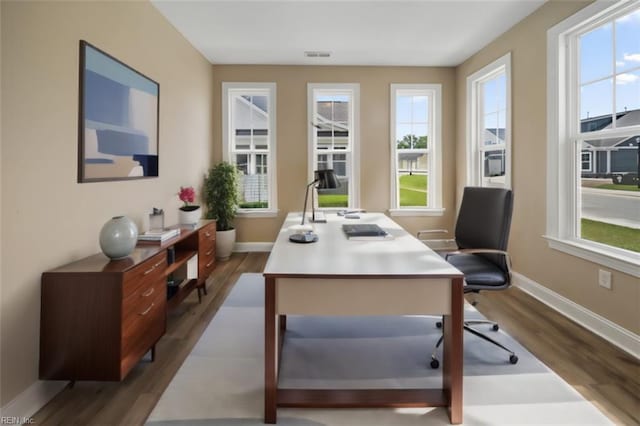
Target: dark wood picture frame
x,y
118,119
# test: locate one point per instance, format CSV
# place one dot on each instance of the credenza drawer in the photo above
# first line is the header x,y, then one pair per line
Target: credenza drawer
x,y
149,271
142,328
207,234
138,302
206,264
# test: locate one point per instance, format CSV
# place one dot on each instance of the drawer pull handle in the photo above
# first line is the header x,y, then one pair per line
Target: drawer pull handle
x,y
153,268
209,252
148,292
207,234
146,310
209,264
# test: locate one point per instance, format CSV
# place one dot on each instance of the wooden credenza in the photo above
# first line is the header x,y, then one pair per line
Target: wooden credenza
x,y
99,316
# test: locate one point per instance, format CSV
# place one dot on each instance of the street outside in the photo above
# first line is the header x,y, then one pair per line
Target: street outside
x,y
610,206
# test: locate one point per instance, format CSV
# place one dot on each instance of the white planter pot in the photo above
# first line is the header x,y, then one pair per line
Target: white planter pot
x,y
189,217
225,241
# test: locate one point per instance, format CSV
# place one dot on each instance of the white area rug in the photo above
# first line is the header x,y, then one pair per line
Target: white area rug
x,y
221,381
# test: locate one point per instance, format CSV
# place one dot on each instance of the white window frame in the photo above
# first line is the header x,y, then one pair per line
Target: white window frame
x,y
563,163
353,90
268,89
475,152
434,93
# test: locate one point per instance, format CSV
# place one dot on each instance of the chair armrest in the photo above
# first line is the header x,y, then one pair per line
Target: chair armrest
x,y
484,251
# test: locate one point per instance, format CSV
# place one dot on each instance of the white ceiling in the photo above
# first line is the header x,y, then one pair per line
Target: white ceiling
x,y
359,32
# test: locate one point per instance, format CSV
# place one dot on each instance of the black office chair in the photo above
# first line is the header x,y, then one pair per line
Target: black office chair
x,y
481,235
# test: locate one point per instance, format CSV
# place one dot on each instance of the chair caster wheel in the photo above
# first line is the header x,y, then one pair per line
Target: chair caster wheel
x,y
496,327
439,325
435,363
513,359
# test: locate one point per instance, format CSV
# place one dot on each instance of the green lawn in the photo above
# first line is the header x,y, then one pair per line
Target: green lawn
x,y
333,200
613,235
254,205
619,187
413,190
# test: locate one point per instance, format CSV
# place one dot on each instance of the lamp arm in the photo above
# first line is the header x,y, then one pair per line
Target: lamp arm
x,y
306,195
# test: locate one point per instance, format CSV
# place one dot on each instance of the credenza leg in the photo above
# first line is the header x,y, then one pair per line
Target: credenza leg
x,y
153,353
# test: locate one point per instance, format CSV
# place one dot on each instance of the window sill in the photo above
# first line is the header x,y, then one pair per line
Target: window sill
x,y
257,213
416,212
626,263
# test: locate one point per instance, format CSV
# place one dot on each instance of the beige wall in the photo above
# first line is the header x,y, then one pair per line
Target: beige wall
x,y
292,128
567,275
47,218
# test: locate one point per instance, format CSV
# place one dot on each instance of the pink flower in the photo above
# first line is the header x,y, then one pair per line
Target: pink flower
x,y
187,195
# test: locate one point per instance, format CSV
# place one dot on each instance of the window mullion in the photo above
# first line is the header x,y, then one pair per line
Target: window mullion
x,y
614,116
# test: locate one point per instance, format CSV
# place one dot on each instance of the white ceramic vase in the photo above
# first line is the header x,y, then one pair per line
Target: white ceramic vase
x,y
189,217
225,241
118,237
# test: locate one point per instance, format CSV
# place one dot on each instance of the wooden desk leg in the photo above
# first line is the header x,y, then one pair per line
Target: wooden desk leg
x,y
270,348
453,352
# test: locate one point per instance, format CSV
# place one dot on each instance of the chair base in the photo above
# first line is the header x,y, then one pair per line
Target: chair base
x,y
513,358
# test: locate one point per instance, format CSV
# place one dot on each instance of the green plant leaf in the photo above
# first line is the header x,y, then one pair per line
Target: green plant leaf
x,y
221,195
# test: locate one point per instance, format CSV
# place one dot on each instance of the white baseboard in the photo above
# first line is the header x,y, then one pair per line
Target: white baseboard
x,y
32,399
608,330
247,247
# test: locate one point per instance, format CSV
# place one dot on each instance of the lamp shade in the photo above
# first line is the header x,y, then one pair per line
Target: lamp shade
x,y
326,179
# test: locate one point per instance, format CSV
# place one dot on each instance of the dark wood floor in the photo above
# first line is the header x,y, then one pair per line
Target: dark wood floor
x,y
600,372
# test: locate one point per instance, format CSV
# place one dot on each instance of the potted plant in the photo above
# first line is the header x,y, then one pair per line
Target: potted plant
x,y
188,214
221,200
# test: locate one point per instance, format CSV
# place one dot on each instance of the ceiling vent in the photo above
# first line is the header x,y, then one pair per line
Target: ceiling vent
x,y
316,54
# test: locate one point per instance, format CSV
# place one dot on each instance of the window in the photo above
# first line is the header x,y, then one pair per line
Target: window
x,y
586,161
489,125
333,140
249,142
593,135
416,183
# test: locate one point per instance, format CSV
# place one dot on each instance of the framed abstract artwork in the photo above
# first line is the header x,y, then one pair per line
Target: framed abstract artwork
x,y
117,120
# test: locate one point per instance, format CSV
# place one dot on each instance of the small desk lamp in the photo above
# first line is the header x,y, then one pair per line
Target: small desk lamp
x,y
326,179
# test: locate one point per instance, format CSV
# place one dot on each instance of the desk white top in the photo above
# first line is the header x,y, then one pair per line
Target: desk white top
x,y
335,255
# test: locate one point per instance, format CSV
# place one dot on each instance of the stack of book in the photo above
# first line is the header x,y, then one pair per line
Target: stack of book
x,y
158,235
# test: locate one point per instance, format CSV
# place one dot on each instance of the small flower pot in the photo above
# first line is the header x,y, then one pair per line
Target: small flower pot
x,y
189,215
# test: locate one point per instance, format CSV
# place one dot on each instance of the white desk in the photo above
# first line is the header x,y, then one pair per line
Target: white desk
x,y
337,276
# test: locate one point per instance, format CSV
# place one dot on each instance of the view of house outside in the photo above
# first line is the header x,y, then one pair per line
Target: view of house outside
x,y
250,148
609,102
333,147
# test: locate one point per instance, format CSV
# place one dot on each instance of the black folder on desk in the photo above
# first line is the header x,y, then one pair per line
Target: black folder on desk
x,y
363,230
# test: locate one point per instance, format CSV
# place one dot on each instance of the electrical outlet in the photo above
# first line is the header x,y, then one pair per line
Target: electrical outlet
x,y
604,278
